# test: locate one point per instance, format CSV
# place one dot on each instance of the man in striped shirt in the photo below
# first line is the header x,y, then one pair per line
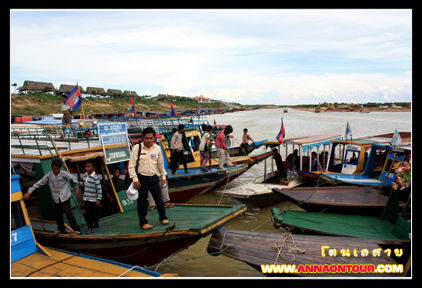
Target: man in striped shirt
x,y
92,197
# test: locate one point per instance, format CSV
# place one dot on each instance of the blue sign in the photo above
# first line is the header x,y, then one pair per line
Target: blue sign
x,y
111,128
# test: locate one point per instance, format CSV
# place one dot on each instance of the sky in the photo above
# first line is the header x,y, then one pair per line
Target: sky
x,y
249,56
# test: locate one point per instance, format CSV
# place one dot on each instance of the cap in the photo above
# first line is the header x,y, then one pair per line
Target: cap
x,y
132,193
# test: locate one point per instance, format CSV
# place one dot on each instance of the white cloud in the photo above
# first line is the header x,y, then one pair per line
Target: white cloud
x,y
302,56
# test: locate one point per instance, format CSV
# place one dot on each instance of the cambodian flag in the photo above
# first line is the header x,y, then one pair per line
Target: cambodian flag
x,y
348,130
281,134
133,106
215,122
198,111
173,112
74,100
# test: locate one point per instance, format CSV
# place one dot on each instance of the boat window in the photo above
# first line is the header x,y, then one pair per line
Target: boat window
x,y
351,157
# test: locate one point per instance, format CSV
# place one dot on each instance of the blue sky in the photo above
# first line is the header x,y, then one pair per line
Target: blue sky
x,y
274,56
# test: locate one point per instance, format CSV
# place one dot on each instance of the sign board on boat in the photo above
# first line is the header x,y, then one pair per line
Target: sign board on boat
x,y
114,139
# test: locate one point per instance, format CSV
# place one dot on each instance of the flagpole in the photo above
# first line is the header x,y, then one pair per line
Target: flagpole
x,y
82,106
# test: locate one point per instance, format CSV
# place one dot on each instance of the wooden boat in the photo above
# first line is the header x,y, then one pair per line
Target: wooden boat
x,y
120,237
238,151
350,156
386,226
378,172
338,199
259,193
304,145
184,187
256,249
31,259
191,143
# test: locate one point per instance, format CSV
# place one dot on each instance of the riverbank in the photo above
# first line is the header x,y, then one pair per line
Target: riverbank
x,y
364,110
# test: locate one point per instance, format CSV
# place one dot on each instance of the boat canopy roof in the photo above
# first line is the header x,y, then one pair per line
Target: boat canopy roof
x,y
311,141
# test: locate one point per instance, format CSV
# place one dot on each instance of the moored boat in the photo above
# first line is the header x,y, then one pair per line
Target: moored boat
x,y
389,225
31,259
268,252
120,237
379,169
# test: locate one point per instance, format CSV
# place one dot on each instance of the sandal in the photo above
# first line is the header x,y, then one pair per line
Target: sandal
x,y
168,205
95,230
75,233
89,231
56,233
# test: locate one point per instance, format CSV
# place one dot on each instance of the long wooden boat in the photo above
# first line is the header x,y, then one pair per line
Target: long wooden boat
x,y
257,250
338,199
184,187
378,172
120,237
31,259
387,226
259,193
238,151
350,156
191,141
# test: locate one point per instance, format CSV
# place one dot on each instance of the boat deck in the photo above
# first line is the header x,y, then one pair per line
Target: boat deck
x,y
66,264
191,219
338,225
338,196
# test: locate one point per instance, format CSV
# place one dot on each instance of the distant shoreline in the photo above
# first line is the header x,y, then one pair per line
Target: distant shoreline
x,y
364,110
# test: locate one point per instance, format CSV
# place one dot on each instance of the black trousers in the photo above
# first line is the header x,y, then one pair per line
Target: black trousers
x,y
244,149
59,216
92,214
151,184
178,156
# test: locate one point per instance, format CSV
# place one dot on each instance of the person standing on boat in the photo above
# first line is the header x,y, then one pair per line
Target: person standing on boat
x,y
179,151
57,179
315,163
281,170
145,179
220,144
67,113
205,148
245,141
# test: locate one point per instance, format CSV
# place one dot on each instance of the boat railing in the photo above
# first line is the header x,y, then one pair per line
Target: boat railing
x,y
34,140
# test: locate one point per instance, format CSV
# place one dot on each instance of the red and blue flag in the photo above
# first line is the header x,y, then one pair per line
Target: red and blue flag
x,y
348,130
133,106
281,134
173,112
74,100
198,111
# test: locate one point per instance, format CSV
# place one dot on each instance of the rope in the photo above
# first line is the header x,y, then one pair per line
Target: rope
x,y
287,235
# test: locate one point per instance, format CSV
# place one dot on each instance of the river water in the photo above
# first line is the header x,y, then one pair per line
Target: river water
x,y
265,124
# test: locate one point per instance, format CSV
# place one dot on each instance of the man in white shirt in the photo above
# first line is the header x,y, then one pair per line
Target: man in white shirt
x,y
145,178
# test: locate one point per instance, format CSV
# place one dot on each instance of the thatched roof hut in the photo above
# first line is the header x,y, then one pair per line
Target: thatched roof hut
x,y
94,90
36,86
114,92
65,88
130,92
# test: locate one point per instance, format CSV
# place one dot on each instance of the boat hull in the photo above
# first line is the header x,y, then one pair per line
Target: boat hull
x,y
188,186
130,251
